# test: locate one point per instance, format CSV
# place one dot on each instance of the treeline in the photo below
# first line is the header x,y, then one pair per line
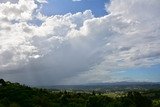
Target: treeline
x,y
16,95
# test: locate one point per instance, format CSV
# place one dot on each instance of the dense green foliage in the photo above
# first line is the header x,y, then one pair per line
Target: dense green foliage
x,y
16,95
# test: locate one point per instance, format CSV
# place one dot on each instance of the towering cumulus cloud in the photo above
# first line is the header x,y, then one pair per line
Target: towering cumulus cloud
x,y
77,48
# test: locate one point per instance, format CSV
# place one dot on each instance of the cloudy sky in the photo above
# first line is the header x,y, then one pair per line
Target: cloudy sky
x,y
48,42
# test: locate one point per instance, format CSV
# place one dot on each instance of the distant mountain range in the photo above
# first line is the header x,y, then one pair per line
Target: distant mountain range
x,y
125,83
112,86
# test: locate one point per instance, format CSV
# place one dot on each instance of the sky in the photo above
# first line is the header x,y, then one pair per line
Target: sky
x,y
53,42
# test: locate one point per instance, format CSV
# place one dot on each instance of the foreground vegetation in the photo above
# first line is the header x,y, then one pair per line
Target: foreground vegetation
x,y
16,95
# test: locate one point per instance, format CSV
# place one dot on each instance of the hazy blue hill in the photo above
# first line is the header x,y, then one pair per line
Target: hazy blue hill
x,y
107,86
126,83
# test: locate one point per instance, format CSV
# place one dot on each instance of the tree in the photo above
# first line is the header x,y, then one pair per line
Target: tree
x,y
2,82
99,101
139,100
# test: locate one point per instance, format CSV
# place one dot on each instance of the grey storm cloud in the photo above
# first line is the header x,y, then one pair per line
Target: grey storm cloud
x,y
77,48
